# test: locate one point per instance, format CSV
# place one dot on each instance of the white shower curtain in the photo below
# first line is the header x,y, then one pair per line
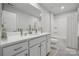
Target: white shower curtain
x,y
72,25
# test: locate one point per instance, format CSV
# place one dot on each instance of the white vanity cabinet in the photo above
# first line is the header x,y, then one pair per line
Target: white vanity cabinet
x,y
32,46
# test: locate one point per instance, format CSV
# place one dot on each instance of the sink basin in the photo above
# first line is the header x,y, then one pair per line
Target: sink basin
x,y
33,33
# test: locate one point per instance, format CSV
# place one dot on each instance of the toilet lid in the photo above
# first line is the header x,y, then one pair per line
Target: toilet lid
x,y
54,40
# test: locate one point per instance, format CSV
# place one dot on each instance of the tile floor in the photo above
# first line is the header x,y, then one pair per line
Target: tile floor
x,y
61,50
67,52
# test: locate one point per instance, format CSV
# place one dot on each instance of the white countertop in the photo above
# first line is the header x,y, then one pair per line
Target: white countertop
x,y
17,38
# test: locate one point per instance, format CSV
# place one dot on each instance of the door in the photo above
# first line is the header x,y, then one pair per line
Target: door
x,y
43,48
35,50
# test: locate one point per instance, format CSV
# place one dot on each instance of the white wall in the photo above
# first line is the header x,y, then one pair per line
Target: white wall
x,y
22,19
45,19
60,23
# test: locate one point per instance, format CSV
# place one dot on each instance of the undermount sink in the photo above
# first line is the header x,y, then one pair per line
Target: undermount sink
x,y
27,34
34,34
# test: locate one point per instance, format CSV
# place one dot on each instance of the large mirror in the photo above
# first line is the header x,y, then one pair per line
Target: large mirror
x,y
14,18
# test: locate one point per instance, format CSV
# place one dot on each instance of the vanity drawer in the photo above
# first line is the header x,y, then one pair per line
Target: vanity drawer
x,y
37,40
14,49
24,53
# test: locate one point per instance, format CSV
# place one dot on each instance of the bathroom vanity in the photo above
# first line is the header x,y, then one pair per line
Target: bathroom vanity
x,y
19,16
29,45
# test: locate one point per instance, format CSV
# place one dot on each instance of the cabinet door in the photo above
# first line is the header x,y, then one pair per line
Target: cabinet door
x,y
43,48
35,50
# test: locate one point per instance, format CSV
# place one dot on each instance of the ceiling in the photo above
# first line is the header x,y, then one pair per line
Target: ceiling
x,y
59,8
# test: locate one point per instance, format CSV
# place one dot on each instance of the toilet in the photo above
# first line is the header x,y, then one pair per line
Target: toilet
x,y
54,41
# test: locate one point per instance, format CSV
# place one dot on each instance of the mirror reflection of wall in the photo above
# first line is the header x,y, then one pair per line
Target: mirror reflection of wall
x,y
78,28
9,21
9,18
0,13
13,18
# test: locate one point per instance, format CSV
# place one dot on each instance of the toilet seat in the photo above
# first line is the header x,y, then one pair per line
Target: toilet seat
x,y
54,41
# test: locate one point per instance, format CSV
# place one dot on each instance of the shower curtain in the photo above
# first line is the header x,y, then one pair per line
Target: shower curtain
x,y
72,25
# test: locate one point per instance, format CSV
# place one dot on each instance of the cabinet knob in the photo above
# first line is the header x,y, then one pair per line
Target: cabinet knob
x,y
26,54
17,48
39,46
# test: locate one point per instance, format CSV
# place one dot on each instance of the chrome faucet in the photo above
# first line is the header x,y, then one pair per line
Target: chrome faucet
x,y
30,29
21,31
35,29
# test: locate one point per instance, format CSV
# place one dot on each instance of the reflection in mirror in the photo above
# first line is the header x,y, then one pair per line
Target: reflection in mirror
x,y
15,20
9,18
